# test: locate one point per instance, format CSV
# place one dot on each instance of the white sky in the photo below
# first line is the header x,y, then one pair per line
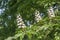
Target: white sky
x,y
1,11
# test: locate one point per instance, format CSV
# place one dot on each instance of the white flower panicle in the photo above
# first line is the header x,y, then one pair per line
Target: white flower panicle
x,y
51,12
37,16
20,22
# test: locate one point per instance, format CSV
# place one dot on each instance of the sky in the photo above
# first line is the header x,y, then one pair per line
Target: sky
x,y
1,11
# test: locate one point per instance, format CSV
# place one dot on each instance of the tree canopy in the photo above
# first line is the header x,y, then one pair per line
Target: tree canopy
x,y
45,29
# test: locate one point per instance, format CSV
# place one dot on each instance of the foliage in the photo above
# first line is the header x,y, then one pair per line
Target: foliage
x,y
46,29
